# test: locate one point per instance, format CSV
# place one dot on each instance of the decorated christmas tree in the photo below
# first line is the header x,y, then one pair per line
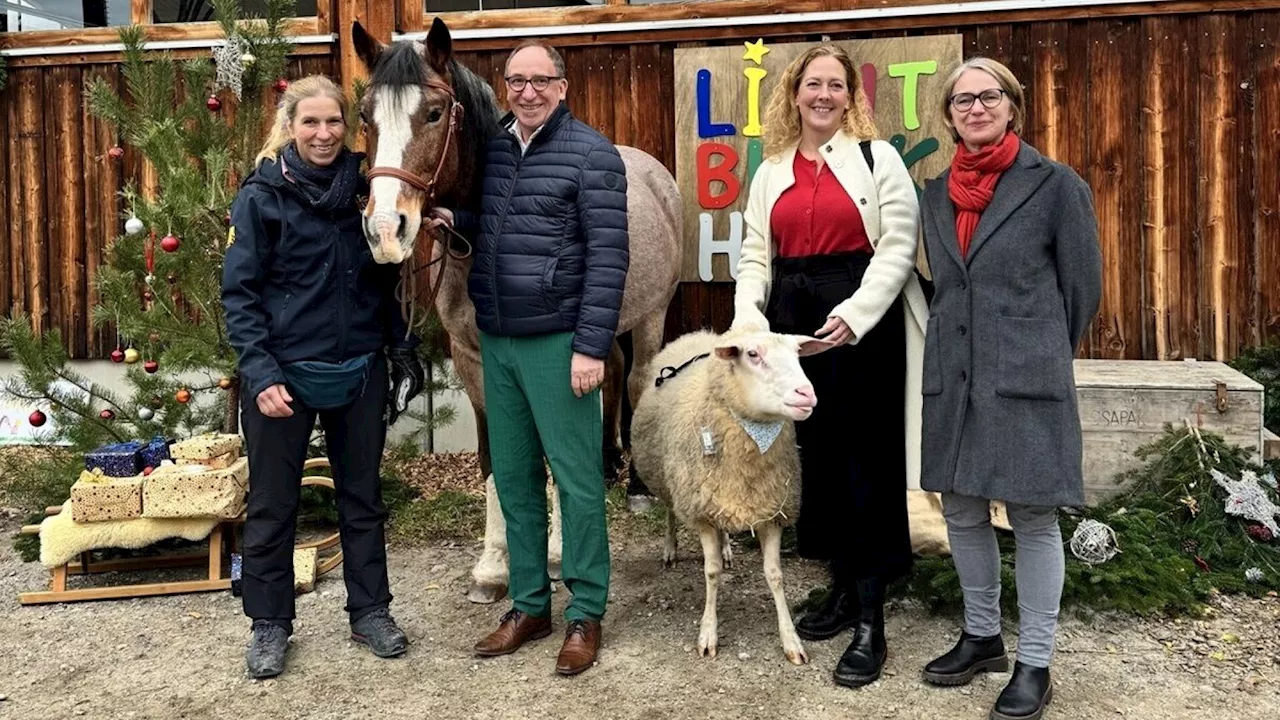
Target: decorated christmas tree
x,y
198,125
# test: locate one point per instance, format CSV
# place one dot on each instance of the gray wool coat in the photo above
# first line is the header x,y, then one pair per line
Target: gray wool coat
x,y
999,417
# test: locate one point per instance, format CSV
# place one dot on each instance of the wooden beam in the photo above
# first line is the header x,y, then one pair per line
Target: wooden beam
x,y
324,17
141,11
378,19
412,16
115,58
616,12
119,592
731,31
172,31
1266,139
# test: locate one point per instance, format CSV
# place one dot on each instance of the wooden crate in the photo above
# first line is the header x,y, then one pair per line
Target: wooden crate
x,y
1125,404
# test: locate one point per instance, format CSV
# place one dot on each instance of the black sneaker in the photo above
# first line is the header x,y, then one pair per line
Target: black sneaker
x,y
378,630
265,657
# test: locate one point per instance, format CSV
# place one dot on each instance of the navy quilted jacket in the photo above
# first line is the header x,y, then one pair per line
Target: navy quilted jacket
x,y
551,239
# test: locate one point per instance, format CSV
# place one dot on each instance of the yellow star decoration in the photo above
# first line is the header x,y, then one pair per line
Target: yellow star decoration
x,y
755,51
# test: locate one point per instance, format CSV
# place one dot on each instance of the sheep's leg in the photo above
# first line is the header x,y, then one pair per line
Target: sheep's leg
x,y
669,547
555,545
726,549
771,548
711,563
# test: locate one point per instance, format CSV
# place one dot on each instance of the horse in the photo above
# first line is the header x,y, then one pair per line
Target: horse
x,y
427,119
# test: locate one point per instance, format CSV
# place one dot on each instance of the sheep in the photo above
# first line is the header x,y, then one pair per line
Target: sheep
x,y
691,447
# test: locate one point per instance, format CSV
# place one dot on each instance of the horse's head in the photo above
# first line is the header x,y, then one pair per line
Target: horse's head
x,y
413,114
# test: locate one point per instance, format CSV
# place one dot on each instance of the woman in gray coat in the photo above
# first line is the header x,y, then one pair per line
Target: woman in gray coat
x,y
1011,240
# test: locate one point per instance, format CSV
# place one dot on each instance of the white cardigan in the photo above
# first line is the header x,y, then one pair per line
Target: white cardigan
x,y
891,216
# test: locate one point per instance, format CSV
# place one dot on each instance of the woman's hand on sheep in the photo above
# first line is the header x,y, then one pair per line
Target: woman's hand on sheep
x,y
585,373
835,331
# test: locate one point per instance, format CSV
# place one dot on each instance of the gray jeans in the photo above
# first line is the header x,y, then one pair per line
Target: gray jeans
x,y
1039,566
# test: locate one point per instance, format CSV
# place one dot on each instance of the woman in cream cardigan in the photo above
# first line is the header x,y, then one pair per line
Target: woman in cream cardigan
x,y
832,222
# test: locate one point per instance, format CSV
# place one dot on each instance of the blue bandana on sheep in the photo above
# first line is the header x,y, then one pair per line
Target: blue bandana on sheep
x,y
744,396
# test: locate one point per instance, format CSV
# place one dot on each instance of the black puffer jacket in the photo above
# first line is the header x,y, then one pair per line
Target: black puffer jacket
x,y
551,243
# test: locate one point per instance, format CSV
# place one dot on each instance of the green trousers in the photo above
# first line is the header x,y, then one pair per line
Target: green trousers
x,y
533,413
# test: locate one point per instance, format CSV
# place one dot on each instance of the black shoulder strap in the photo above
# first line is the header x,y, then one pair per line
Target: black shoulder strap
x,y
866,153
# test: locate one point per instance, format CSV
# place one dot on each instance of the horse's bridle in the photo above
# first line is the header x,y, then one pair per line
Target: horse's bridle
x,y
407,290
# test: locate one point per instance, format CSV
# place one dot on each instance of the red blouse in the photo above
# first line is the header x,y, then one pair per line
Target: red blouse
x,y
816,216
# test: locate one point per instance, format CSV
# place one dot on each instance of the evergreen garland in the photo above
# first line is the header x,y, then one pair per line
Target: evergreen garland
x,y
1177,543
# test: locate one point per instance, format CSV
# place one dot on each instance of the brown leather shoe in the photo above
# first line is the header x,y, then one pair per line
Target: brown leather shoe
x,y
581,643
515,629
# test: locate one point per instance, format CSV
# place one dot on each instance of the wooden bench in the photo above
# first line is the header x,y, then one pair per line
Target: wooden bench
x,y
221,543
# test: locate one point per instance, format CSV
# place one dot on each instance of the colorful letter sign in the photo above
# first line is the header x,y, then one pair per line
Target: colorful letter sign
x,y
722,94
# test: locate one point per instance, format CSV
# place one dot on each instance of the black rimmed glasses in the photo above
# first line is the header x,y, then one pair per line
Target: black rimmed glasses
x,y
989,98
539,82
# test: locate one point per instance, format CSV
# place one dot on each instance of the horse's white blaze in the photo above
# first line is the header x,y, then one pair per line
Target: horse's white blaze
x,y
392,111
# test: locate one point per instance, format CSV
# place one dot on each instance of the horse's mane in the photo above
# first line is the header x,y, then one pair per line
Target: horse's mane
x,y
400,65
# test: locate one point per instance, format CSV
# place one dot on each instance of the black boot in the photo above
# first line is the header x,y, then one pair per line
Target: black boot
x,y
839,612
863,660
970,656
1026,695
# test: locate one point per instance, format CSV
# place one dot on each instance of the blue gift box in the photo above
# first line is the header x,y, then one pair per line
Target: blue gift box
x,y
155,452
117,459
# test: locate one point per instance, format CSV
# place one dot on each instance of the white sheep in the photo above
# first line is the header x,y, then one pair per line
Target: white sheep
x,y
715,442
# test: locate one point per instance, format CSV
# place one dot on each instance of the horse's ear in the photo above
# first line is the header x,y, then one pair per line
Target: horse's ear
x,y
439,45
367,46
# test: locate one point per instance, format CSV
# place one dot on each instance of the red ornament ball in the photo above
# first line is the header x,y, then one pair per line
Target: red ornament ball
x,y
1261,533
148,470
116,152
107,414
151,366
117,356
169,244
213,103
282,85
37,419
224,383
183,396
148,295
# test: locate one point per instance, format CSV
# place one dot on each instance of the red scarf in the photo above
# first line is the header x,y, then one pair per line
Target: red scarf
x,y
973,181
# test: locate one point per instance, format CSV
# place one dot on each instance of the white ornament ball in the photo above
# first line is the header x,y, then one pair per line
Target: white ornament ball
x,y
248,59
133,226
150,279
145,414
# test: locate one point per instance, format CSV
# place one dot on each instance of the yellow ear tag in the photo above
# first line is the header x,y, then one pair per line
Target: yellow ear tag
x,y
231,236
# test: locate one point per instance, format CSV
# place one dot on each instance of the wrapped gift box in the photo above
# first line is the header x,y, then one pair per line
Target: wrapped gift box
x,y
173,490
304,569
116,460
155,452
96,497
216,463
204,447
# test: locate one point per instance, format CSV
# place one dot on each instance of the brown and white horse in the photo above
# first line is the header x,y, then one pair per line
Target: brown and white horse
x,y
427,120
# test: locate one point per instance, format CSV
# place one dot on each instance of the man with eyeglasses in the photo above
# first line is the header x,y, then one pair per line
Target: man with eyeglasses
x,y
551,257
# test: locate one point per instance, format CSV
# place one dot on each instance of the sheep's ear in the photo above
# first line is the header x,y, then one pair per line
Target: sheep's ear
x,y
813,346
728,352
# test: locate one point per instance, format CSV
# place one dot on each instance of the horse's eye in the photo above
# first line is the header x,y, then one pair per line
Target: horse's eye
x,y
434,115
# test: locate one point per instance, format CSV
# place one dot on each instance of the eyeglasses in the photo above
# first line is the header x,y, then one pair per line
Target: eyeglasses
x,y
539,82
990,98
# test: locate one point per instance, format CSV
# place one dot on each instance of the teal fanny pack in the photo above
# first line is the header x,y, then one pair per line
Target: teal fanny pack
x,y
325,386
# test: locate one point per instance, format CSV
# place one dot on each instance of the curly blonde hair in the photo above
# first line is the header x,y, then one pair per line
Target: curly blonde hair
x,y
782,118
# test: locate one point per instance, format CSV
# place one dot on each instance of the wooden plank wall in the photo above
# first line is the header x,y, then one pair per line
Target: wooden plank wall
x,y
1173,120
60,199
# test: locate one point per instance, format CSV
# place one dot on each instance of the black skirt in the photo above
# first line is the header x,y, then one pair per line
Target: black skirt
x,y
853,506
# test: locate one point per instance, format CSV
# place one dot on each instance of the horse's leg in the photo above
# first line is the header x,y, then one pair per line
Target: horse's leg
x,y
555,545
612,394
646,341
490,574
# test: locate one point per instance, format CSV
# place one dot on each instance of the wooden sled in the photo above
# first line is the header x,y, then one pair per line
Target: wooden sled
x,y
221,539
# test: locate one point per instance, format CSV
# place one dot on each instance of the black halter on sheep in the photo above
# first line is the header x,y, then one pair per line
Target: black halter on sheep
x,y
716,443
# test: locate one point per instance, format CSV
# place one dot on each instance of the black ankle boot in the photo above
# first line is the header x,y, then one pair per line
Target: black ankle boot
x,y
970,656
863,660
1026,695
838,613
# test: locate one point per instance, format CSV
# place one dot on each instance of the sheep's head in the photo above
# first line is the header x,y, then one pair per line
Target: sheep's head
x,y
765,368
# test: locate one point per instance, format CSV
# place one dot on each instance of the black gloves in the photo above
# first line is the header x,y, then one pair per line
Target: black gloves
x,y
407,380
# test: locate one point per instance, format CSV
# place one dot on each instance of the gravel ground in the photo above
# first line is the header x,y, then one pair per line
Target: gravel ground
x,y
182,656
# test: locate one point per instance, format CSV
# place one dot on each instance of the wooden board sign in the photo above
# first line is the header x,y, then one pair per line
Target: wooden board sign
x,y
721,96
